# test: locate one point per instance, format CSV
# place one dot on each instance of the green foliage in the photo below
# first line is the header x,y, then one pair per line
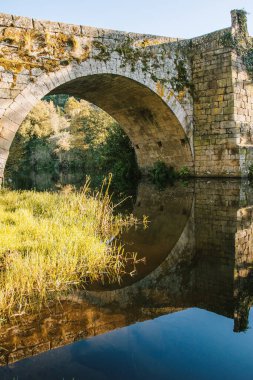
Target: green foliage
x,y
128,52
242,20
248,61
184,172
78,137
44,120
250,172
116,156
161,174
228,40
58,100
181,81
54,242
104,53
243,46
240,42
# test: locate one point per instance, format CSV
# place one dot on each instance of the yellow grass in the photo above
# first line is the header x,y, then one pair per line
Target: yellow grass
x,y
52,242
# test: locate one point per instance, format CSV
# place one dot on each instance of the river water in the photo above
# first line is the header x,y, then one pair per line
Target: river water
x,y
185,314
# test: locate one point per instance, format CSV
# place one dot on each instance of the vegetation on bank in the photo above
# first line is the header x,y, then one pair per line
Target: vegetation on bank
x,y
64,134
54,242
161,175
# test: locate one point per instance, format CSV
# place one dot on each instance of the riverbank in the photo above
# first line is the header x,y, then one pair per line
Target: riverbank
x,y
54,242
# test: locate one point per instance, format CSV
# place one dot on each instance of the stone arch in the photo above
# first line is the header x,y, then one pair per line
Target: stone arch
x,y
154,120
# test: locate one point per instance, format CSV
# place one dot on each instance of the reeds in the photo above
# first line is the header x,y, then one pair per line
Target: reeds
x,y
53,242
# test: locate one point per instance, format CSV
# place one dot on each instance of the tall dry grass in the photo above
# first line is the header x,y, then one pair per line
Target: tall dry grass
x,y
52,242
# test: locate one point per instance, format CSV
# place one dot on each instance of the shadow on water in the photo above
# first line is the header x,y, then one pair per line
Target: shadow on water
x,y
199,255
45,180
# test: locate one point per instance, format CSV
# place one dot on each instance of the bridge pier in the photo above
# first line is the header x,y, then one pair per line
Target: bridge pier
x,y
223,111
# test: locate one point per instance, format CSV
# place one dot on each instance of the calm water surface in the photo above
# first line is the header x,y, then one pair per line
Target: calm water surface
x,y
186,314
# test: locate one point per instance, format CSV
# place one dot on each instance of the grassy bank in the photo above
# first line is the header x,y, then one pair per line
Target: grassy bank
x,y
52,242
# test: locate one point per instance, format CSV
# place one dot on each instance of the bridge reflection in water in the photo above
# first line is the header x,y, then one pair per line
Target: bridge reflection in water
x,y
199,253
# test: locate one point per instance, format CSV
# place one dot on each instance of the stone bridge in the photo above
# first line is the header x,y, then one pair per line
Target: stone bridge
x,y
188,103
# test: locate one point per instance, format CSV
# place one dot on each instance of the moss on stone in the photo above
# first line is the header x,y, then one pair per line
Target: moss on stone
x,y
104,53
242,46
248,61
181,81
160,89
240,42
25,49
130,54
30,48
16,66
146,42
242,20
228,40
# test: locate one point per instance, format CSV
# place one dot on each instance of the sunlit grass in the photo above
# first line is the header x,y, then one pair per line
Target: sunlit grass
x,y
52,242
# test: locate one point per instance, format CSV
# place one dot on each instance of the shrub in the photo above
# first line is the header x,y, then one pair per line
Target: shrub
x,y
250,172
161,173
184,172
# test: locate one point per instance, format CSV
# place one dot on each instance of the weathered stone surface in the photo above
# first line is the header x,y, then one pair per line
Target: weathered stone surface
x,y
188,103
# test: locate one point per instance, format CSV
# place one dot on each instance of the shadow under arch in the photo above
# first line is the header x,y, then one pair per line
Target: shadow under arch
x,y
152,127
156,124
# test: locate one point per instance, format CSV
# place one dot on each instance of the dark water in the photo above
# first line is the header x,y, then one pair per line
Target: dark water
x,y
186,314
44,179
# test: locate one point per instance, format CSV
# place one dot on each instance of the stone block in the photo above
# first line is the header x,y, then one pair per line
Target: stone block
x,y
22,22
6,20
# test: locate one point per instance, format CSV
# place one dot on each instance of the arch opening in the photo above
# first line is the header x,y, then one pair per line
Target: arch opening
x,y
151,125
64,140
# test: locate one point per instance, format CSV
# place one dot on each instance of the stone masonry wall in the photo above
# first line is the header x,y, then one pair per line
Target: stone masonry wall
x,y
243,268
41,57
223,107
216,205
184,102
243,112
216,132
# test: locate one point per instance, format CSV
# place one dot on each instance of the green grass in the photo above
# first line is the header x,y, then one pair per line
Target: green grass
x,y
52,242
